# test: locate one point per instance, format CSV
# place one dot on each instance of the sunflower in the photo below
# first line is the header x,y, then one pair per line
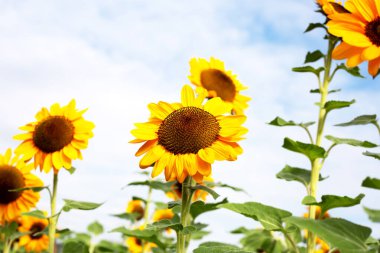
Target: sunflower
x,y
359,29
218,82
15,174
35,240
186,138
136,206
163,214
136,245
56,138
176,191
329,7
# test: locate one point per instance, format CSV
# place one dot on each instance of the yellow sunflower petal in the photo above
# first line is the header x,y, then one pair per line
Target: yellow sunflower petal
x,y
160,165
374,67
146,147
152,156
57,160
371,53
207,154
187,96
216,106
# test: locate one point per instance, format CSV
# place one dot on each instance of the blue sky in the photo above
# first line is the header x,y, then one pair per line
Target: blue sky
x,y
115,57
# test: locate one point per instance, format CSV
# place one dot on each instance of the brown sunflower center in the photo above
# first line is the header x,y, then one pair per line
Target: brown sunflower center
x,y
10,178
222,84
138,242
53,134
187,130
36,229
372,31
140,211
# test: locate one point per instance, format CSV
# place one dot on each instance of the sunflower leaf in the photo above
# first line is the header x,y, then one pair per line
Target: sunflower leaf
x,y
338,233
207,189
310,150
199,207
79,205
95,228
127,216
330,91
312,26
154,184
303,176
269,217
313,56
332,201
352,142
173,223
373,183
355,71
374,155
74,245
146,234
309,69
373,215
109,247
35,213
221,185
35,189
217,247
360,120
333,105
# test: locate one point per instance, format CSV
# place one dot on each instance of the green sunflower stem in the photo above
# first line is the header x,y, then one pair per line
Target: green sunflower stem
x,y
187,194
53,217
317,163
7,246
146,211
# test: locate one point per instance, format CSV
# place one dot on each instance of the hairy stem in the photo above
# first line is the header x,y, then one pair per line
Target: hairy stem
x,y
53,217
187,194
146,210
317,163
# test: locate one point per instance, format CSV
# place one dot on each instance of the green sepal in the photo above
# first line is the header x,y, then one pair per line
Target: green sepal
x,y
355,71
207,189
312,26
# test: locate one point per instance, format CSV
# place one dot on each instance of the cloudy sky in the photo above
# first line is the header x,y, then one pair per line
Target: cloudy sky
x,y
115,57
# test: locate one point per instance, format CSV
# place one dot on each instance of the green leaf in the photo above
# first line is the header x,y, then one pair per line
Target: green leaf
x,y
374,155
96,228
157,185
207,189
35,189
338,233
36,213
76,246
173,223
109,247
373,215
333,105
313,56
296,174
269,217
332,201
312,26
330,91
198,235
127,216
352,142
360,120
308,200
373,183
199,207
147,235
281,122
310,150
218,247
309,69
193,228
221,185
79,205
355,71
71,170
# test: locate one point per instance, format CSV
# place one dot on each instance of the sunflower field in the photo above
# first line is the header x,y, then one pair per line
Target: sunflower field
x,y
187,149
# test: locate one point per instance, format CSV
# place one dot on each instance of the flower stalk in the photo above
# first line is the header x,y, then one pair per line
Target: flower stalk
x,y
318,163
146,210
187,194
53,216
